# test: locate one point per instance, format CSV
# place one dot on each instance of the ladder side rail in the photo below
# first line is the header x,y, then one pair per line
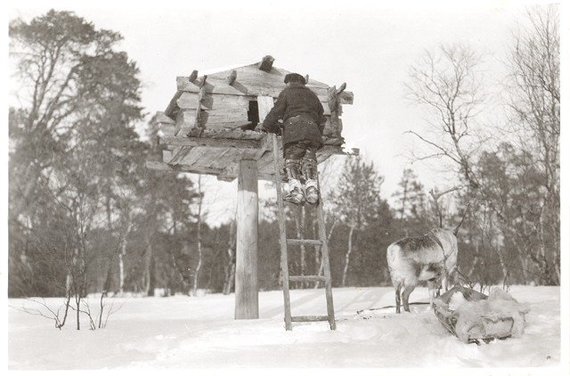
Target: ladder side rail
x,y
326,263
282,234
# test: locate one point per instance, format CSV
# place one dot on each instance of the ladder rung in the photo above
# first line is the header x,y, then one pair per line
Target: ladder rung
x,y
307,278
309,318
304,242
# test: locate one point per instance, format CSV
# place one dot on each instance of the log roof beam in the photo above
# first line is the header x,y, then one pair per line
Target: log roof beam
x,y
217,85
163,166
232,77
211,142
266,63
228,174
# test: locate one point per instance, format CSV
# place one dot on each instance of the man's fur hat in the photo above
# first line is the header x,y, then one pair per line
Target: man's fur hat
x,y
295,77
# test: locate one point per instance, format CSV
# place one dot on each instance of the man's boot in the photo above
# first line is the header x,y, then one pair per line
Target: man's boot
x,y
311,182
293,189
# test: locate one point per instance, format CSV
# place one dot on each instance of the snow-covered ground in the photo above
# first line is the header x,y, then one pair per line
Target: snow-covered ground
x,y
197,332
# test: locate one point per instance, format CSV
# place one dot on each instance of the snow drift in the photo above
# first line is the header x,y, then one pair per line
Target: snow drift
x,y
200,332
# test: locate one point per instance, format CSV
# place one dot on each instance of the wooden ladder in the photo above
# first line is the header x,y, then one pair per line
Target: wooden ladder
x,y
318,244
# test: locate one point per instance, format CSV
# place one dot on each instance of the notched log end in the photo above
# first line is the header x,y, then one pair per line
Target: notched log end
x,y
266,63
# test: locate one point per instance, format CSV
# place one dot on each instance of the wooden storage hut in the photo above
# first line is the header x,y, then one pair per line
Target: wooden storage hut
x,y
208,127
208,124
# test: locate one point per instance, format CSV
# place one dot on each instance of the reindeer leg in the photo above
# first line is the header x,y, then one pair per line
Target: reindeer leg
x,y
398,291
406,296
451,279
433,291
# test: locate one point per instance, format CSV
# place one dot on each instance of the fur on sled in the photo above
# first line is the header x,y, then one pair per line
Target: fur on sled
x,y
473,316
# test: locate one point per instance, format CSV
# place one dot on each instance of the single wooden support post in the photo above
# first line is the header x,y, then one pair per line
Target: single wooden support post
x,y
247,300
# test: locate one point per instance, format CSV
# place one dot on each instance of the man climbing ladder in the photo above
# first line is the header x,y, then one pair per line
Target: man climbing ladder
x,y
320,245
303,125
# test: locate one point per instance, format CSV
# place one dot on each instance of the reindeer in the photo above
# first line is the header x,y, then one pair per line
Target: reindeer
x,y
430,258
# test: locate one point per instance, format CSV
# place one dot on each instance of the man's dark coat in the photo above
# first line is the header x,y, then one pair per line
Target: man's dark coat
x,y
302,114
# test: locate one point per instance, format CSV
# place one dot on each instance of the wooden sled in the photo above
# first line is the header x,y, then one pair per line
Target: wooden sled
x,y
480,319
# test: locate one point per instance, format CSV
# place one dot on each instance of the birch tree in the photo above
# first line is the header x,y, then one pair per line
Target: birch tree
x,y
534,109
356,200
446,83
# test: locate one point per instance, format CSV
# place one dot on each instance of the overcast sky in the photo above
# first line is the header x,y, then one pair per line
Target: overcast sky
x,y
368,45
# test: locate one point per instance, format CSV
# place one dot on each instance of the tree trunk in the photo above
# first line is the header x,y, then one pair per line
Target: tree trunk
x,y
68,283
148,266
347,256
524,262
77,311
152,276
230,269
404,201
545,270
197,270
475,261
504,268
198,239
65,312
122,254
